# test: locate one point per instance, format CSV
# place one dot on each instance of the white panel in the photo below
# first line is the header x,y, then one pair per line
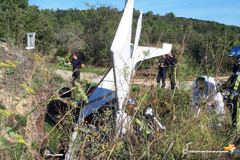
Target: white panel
x,y
30,41
105,87
137,37
121,50
144,53
121,54
167,48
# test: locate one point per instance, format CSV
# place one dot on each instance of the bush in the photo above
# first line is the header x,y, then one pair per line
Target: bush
x,y
58,78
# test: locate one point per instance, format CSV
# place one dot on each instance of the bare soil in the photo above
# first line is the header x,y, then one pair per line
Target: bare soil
x,y
148,80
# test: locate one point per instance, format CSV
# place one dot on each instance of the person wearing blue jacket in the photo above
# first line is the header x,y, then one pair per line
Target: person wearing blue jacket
x,y
162,70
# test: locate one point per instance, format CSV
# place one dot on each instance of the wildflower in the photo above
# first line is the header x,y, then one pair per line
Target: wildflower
x,y
5,112
11,64
38,58
74,104
30,90
103,146
21,140
2,64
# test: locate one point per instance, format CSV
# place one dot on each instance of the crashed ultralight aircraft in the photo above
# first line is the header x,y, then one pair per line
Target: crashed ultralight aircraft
x,y
117,82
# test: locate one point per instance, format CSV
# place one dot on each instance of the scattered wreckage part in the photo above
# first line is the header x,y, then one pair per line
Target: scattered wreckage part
x,y
2,40
159,123
65,92
151,121
150,114
47,152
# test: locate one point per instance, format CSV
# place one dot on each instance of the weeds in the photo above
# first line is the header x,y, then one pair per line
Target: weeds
x,y
23,135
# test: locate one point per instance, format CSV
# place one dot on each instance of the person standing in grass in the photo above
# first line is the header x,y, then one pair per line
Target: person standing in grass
x,y
77,65
162,70
172,61
234,89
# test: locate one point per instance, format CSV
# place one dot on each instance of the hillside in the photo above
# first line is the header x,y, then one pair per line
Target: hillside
x,y
26,87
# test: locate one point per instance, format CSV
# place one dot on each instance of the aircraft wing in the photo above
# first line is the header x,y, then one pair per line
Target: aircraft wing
x,y
137,36
121,50
144,53
103,93
96,104
105,87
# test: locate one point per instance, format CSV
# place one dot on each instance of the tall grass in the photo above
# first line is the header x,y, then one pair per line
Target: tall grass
x,y
182,129
22,136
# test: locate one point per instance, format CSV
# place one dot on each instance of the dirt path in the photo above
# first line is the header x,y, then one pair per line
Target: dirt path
x,y
67,75
183,85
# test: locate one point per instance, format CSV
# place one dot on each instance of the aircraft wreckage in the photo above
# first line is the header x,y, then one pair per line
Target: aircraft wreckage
x,y
113,89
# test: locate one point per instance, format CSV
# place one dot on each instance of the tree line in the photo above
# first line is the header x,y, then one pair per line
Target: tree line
x,y
90,33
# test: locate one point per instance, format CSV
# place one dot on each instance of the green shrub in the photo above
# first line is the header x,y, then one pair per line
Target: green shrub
x,y
2,106
58,78
22,119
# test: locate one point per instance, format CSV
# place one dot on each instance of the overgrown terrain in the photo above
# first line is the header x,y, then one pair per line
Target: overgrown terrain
x,y
28,83
90,33
28,86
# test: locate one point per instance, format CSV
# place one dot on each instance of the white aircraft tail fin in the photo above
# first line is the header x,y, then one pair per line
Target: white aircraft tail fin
x,y
121,51
167,48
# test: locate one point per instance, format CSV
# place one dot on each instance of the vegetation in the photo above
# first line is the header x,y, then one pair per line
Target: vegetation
x,y
29,83
90,33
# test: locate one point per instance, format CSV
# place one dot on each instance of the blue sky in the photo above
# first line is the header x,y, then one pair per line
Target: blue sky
x,y
221,11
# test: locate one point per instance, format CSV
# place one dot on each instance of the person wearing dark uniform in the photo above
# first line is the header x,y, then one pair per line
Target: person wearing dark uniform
x,y
172,61
234,89
162,70
77,65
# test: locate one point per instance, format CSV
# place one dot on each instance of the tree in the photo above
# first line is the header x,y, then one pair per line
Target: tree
x,y
170,15
45,37
13,13
99,31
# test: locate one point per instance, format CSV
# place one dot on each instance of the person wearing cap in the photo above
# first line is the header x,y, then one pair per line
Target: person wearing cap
x,y
204,92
